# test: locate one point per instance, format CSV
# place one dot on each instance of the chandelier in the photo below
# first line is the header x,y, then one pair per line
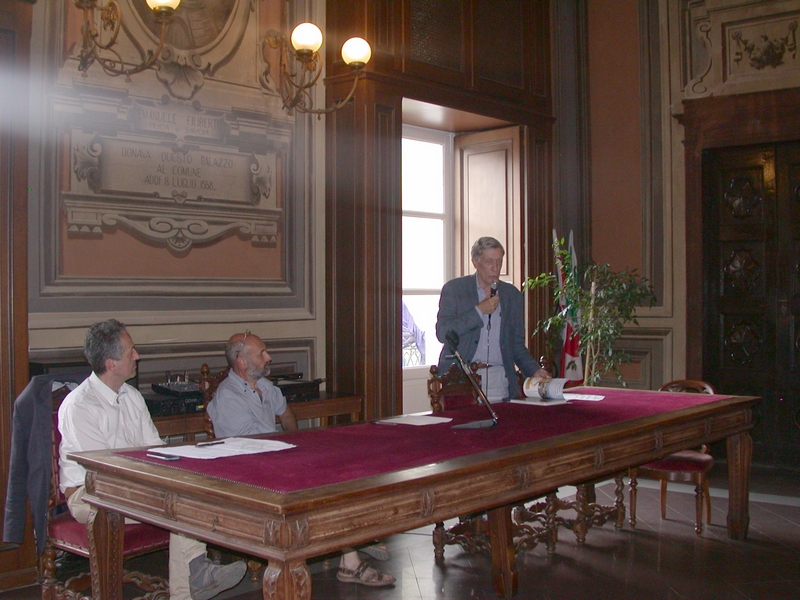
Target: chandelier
x,y
298,76
98,42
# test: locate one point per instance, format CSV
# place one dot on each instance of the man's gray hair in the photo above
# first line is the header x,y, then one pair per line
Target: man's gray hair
x,y
233,350
484,243
103,341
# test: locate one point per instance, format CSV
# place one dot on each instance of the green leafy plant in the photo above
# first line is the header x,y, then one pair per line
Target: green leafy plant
x,y
606,300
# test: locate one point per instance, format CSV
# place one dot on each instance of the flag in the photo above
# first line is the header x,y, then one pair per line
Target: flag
x,y
571,363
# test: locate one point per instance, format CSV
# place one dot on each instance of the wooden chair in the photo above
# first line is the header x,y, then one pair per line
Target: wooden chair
x,y
208,387
65,533
689,466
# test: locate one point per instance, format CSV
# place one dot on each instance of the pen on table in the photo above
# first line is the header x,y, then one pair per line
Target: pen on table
x,y
214,443
156,454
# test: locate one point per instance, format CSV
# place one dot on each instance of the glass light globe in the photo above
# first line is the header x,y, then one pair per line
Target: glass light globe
x,y
156,4
307,36
356,51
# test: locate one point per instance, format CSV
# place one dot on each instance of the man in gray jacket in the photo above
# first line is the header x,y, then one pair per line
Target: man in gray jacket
x,y
487,316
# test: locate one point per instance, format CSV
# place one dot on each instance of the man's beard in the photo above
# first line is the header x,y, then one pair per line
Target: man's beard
x,y
254,373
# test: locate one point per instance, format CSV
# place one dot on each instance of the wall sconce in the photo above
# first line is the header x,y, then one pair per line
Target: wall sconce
x,y
111,21
306,40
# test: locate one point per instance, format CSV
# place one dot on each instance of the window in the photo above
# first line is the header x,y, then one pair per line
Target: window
x,y
427,237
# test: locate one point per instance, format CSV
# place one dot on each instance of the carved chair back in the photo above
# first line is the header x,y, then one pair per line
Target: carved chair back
x,y
452,389
208,387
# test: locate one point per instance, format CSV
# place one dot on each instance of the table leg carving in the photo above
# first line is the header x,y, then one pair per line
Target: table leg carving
x,y
504,564
633,485
531,527
619,501
740,453
286,581
105,531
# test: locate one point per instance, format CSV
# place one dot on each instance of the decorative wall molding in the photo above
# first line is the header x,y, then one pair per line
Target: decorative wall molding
x,y
171,193
200,41
651,354
110,169
733,47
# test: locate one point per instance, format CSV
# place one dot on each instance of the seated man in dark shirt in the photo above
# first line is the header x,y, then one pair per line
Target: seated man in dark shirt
x,y
246,403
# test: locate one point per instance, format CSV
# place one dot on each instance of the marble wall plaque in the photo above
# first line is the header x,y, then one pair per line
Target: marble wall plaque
x,y
117,165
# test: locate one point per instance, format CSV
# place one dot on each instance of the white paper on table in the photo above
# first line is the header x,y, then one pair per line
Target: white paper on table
x,y
590,397
417,420
233,446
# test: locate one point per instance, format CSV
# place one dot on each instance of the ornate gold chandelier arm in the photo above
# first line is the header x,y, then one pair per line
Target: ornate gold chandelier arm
x,y
93,46
336,106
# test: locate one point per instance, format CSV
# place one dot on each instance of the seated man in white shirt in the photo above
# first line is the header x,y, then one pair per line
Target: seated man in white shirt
x,y
104,413
246,403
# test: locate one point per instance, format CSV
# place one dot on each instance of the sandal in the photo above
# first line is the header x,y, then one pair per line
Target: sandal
x,y
376,551
365,575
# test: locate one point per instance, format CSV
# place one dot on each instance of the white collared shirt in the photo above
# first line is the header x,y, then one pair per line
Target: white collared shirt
x,y
95,417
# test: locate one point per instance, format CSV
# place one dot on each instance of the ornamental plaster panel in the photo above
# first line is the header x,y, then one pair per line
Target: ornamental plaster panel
x,y
735,47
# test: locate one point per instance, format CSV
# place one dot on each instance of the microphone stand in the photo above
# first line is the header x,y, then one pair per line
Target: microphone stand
x,y
452,340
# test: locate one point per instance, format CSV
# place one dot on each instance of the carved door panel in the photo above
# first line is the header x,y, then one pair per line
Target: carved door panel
x,y
752,297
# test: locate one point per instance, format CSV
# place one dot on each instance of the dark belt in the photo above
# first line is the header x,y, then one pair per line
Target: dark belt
x,y
481,365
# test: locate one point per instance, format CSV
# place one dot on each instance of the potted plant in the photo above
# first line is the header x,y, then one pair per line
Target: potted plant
x,y
597,302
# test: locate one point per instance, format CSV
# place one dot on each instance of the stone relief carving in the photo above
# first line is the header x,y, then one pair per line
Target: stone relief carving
x,y
766,51
202,36
696,46
170,179
731,46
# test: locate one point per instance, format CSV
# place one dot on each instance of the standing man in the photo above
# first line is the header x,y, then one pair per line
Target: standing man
x,y
104,413
487,316
246,403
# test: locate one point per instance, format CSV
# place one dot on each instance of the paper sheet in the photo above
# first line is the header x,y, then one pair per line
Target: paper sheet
x,y
229,447
590,397
417,420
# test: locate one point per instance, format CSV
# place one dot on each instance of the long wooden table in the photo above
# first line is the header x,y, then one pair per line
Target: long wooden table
x,y
287,528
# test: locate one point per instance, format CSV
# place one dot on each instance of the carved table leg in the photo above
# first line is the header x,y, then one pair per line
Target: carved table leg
x,y
504,563
105,531
583,519
438,543
740,453
287,581
619,501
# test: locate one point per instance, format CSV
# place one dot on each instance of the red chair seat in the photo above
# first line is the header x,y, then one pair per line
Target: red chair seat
x,y
140,538
686,460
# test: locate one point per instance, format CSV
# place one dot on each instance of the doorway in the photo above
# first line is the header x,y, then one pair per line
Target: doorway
x,y
751,297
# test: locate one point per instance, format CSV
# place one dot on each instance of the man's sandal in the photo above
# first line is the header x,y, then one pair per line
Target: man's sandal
x,y
365,575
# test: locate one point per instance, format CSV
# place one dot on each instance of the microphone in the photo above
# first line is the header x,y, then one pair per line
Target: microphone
x,y
492,294
452,341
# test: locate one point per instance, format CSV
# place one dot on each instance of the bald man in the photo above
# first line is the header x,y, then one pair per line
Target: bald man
x,y
246,402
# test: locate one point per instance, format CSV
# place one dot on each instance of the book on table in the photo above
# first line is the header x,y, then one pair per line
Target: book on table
x,y
547,390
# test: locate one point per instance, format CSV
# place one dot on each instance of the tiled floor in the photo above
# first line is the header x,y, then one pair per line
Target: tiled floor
x,y
659,560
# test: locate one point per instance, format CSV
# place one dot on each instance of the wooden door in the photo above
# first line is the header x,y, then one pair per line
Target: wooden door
x,y
488,191
751,216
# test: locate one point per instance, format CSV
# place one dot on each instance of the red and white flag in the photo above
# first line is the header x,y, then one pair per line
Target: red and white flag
x,y
571,363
